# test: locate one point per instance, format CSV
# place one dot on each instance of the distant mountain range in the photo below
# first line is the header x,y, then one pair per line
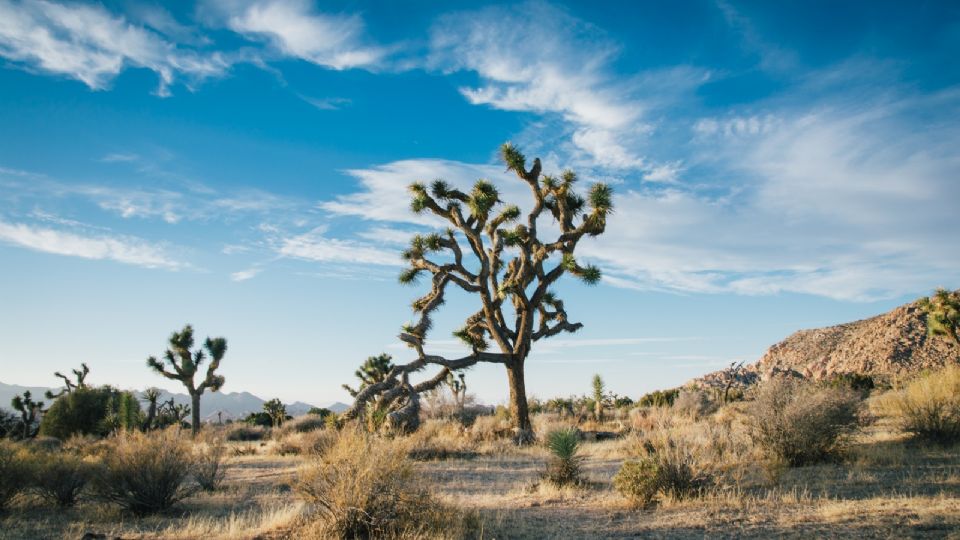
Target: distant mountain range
x,y
232,405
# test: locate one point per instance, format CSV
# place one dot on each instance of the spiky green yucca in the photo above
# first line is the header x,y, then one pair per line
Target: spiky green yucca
x,y
565,459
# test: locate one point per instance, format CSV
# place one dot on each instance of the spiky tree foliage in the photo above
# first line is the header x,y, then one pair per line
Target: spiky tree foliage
x,y
943,313
184,364
69,385
30,411
276,410
151,396
493,252
373,370
598,388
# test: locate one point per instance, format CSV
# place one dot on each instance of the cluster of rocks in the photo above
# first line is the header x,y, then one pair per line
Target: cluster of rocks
x,y
890,346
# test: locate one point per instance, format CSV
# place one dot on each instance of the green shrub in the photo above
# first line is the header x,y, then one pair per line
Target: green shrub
x,y
929,406
664,470
659,398
91,411
564,467
798,423
16,470
59,477
862,384
145,473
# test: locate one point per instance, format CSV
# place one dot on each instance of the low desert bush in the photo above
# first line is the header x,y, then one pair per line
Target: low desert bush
x,y
797,423
366,487
59,477
208,465
665,470
564,467
145,473
693,404
246,432
304,424
929,406
16,470
440,439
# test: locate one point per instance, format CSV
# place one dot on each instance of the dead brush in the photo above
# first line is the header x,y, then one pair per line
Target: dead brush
x,y
209,467
365,487
928,407
665,470
60,477
16,468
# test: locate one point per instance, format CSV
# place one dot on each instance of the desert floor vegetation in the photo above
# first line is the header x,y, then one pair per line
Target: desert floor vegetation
x,y
666,473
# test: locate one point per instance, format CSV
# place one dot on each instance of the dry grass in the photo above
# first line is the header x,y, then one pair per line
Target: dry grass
x,y
886,485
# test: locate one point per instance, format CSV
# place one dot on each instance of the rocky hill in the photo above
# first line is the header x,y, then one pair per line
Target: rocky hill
x,y
892,345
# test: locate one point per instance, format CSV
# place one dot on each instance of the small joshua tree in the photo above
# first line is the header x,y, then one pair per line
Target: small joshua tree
x,y
30,411
151,396
184,364
943,314
373,370
276,410
458,387
598,398
509,268
69,385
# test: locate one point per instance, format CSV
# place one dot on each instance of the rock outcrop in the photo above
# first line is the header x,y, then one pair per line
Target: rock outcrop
x,y
890,346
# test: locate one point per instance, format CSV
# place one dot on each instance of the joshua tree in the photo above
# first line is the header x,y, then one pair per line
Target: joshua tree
x,y
508,267
598,398
69,385
185,365
458,387
943,314
151,396
276,410
29,411
372,371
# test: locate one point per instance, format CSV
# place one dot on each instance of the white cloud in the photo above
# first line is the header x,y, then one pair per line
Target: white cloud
x,y
534,57
244,275
314,246
103,247
88,43
326,104
119,158
296,29
385,197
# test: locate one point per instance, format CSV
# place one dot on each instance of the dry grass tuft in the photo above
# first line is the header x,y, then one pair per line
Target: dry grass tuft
x,y
365,487
15,471
928,407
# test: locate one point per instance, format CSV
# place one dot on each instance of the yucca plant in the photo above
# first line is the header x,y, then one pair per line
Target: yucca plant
x,y
565,463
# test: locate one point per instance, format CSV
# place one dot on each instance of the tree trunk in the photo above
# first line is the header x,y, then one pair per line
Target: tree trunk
x,y
195,412
518,402
151,415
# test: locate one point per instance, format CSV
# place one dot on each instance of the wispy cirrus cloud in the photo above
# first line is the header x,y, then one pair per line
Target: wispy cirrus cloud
x,y
316,246
88,43
123,249
295,28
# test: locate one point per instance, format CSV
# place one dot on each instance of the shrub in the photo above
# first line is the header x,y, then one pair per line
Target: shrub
x,y
145,472
91,411
16,468
659,398
862,384
693,404
929,406
367,488
59,477
565,463
244,432
208,466
305,424
665,470
797,423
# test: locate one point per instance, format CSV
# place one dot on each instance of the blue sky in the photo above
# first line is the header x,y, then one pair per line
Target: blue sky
x,y
241,165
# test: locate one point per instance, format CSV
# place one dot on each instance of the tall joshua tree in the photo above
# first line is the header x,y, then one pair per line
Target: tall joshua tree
x,y
507,266
69,385
943,314
184,364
